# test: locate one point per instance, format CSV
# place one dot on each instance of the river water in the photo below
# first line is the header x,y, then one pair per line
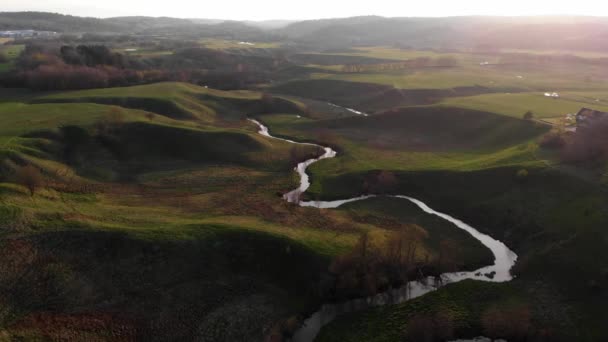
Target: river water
x,y
500,271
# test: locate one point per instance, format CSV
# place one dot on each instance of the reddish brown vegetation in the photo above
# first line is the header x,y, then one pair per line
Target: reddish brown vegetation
x,y
553,140
30,177
75,327
429,328
512,323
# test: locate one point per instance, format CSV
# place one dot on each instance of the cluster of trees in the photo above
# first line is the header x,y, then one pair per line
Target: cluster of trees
x,y
55,67
372,266
421,62
51,68
539,59
65,76
587,146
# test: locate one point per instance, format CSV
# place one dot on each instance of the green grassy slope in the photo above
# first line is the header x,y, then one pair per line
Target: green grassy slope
x,y
179,101
517,104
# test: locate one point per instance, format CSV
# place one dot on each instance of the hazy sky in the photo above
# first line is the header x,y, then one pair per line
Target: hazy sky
x,y
305,9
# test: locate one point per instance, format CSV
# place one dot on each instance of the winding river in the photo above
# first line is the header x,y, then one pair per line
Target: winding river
x,y
500,271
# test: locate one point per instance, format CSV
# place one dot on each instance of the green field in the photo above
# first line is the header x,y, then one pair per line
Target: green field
x,y
517,104
11,52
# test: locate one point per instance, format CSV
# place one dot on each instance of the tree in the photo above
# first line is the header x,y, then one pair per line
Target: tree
x,y
30,177
528,115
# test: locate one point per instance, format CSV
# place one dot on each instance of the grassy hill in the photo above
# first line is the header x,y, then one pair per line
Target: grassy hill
x,y
180,101
155,225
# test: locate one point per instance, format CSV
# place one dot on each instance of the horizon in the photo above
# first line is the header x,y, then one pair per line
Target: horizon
x,y
219,19
275,10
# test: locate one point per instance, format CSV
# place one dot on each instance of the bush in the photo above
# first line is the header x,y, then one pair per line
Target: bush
x,y
511,323
589,144
30,177
522,174
528,115
426,327
553,140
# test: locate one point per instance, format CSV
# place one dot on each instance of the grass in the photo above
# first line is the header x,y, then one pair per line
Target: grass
x,y
532,77
179,101
418,138
17,119
11,52
535,78
385,52
465,303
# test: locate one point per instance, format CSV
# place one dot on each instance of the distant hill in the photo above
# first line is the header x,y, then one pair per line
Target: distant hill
x,y
137,24
43,21
473,32
588,33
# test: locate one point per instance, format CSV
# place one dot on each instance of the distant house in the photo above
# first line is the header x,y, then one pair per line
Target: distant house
x,y
586,116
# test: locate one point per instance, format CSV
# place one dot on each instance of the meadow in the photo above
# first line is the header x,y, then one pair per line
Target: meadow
x,y
11,52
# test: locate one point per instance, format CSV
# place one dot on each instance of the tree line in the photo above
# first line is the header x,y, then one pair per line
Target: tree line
x,y
421,62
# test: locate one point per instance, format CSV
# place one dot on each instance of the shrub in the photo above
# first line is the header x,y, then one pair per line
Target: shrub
x,y
528,115
522,174
30,177
589,144
420,329
553,140
512,323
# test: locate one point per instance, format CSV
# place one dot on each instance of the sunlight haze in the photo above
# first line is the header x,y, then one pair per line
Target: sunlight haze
x,y
275,9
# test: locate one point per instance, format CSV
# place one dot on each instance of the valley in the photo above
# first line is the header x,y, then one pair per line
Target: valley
x,y
172,180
